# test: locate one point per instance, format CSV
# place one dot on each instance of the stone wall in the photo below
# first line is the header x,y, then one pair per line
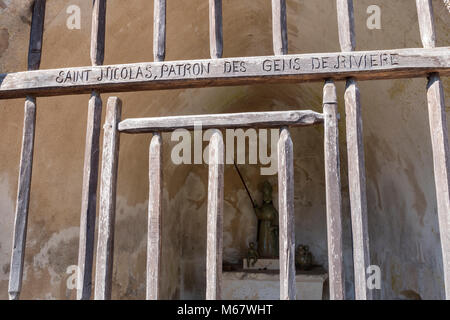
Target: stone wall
x,y
404,236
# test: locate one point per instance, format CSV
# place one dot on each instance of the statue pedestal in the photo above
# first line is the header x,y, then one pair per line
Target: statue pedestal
x,y
265,285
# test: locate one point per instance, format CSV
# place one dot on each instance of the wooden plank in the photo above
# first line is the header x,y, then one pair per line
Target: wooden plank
x,y
91,158
355,151
333,193
107,216
439,139
363,65
346,25
273,119
154,218
215,29
23,200
441,164
89,198
98,32
426,23
159,30
215,217
26,157
279,27
357,187
36,35
286,215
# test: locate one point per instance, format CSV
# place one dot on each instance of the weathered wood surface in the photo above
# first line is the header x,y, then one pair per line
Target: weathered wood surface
x,y
273,119
279,27
439,138
36,35
441,163
357,187
426,23
107,215
215,29
89,198
26,157
159,30
286,215
98,32
362,65
23,200
154,218
333,193
346,24
215,217
91,158
355,155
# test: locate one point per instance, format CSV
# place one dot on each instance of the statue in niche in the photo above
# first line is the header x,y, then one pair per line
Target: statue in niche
x,y
252,255
303,257
267,225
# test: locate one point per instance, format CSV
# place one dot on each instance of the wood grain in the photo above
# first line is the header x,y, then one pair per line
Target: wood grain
x,y
89,198
439,138
91,158
98,32
273,119
346,25
159,30
36,35
286,215
426,23
362,65
333,193
215,29
357,187
355,155
107,215
441,164
26,157
154,218
279,27
23,200
215,217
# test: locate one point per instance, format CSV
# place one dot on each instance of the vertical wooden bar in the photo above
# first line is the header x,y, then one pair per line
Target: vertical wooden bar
x,y
286,215
439,138
215,29
89,198
215,218
154,217
26,157
36,35
107,216
98,32
355,152
279,27
426,23
91,159
159,30
333,192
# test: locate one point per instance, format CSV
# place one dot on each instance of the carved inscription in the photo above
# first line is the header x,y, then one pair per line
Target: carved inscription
x,y
229,67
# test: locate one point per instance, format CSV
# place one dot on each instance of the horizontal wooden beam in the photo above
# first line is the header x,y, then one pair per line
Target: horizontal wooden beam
x,y
217,121
361,65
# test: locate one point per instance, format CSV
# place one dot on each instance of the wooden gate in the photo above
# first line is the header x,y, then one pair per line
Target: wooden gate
x,y
348,65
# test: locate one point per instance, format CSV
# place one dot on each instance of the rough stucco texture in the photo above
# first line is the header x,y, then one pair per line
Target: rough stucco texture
x,y
404,233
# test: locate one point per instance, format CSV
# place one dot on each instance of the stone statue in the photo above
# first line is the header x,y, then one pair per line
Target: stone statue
x,y
252,254
267,225
303,257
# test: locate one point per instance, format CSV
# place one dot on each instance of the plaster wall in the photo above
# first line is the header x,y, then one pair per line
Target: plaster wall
x,y
403,224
